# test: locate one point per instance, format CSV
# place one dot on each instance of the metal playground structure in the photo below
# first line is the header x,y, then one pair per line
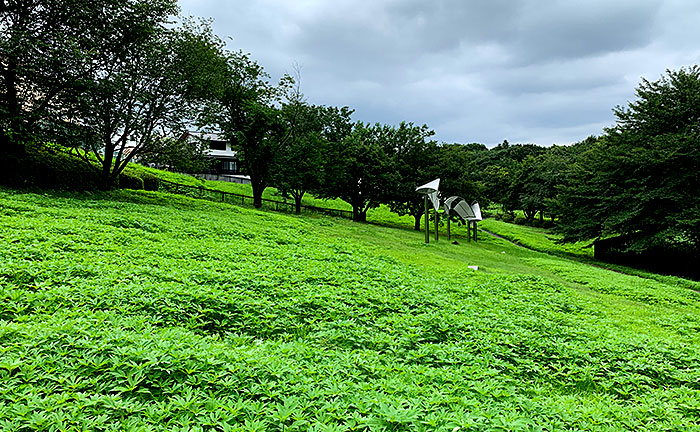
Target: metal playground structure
x,y
453,206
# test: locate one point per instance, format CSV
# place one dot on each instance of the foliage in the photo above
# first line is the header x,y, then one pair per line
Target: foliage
x,y
415,161
639,180
141,96
113,77
360,171
501,173
49,167
299,166
129,310
456,164
183,155
41,47
245,110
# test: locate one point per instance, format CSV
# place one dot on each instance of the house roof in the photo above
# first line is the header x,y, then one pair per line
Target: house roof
x,y
211,136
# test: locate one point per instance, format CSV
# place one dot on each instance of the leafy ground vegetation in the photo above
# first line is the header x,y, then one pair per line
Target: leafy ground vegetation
x,y
539,239
145,311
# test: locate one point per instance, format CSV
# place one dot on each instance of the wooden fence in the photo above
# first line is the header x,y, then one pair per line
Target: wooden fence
x,y
201,192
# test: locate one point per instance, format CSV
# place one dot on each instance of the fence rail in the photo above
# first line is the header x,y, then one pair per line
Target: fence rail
x,y
201,192
227,178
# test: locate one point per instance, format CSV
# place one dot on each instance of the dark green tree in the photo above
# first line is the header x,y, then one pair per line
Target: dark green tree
x,y
359,170
640,180
299,166
499,171
143,95
181,154
47,54
247,111
456,166
415,160
111,78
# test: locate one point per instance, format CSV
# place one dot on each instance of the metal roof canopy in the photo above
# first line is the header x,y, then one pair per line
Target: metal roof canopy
x,y
433,197
477,212
458,205
428,188
430,191
464,210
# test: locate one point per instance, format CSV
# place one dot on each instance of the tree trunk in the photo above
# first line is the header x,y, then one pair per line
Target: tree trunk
x,y
12,142
257,199
107,182
297,204
416,225
358,215
258,189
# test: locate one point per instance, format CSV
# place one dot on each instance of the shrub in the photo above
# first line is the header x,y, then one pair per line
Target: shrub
x,y
150,182
520,220
130,181
507,217
48,167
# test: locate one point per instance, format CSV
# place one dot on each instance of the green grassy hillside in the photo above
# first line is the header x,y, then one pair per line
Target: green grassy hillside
x,y
145,311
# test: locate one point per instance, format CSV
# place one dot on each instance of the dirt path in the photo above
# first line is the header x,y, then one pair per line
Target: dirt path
x,y
508,240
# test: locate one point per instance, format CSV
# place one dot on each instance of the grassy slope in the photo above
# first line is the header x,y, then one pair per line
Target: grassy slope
x,y
539,239
148,311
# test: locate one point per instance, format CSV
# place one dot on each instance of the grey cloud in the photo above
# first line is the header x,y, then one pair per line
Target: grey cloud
x,y
473,70
572,30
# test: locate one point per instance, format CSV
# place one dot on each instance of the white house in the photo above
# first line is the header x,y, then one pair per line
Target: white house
x,y
226,160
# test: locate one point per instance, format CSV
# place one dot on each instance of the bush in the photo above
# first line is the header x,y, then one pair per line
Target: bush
x,y
520,220
48,167
130,181
150,182
507,217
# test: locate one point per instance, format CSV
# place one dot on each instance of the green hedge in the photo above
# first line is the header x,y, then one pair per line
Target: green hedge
x,y
49,168
52,167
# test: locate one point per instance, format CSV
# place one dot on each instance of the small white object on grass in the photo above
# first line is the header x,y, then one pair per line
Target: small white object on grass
x,y
474,267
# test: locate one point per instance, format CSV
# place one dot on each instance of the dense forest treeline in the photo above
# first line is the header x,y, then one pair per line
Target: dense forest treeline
x,y
115,80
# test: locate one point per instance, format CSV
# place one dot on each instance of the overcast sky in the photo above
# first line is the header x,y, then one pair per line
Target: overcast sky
x,y
529,71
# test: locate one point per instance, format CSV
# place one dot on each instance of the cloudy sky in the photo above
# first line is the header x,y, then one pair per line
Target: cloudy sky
x,y
529,71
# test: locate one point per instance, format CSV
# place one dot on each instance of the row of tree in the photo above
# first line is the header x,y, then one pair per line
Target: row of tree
x,y
120,79
115,79
638,182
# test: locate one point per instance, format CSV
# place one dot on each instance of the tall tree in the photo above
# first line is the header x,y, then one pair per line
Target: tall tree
x,y
247,112
415,160
640,180
360,171
457,168
300,163
45,49
112,77
144,93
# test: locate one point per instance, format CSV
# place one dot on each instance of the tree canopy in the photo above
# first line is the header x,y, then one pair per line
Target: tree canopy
x,y
640,180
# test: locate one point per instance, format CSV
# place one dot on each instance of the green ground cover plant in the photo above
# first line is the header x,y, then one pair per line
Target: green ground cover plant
x,y
137,310
540,239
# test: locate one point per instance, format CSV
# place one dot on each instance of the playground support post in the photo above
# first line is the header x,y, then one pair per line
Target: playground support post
x,y
427,221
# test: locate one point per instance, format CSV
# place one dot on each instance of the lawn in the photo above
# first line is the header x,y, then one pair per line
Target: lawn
x,y
540,239
153,312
